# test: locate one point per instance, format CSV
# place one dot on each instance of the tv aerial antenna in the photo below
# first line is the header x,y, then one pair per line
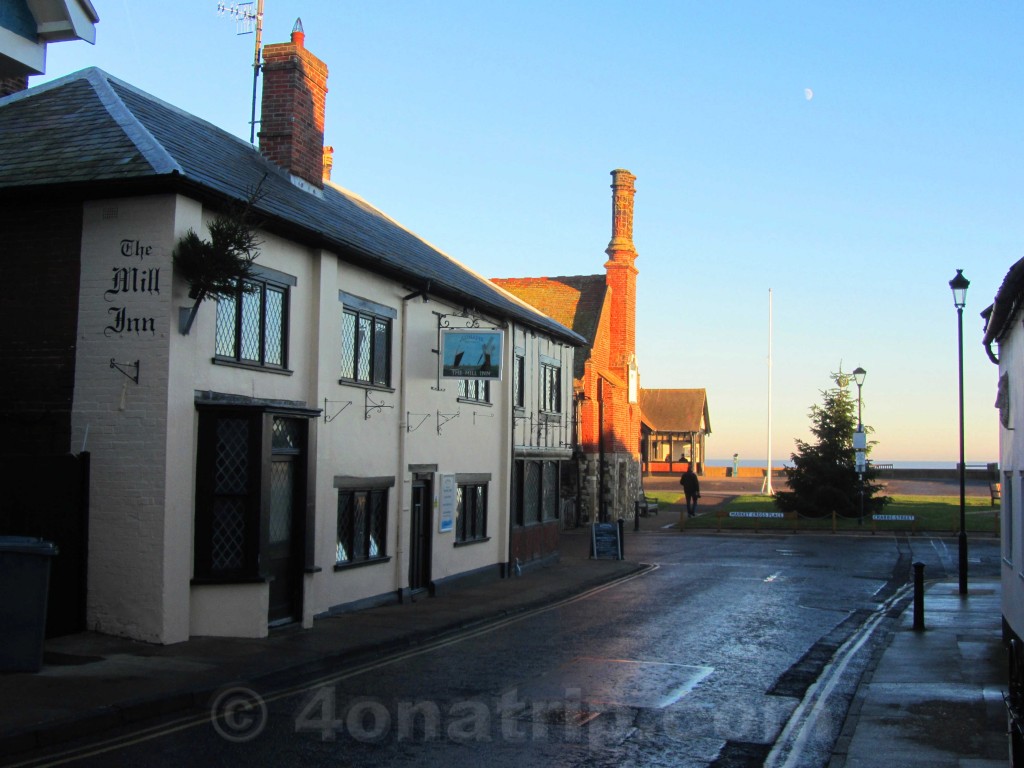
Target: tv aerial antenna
x,y
247,19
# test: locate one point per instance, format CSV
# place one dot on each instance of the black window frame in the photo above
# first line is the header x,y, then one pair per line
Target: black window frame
x,y
536,491
263,283
259,454
375,494
470,518
377,360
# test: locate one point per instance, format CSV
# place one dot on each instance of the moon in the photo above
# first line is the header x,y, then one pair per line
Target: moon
x,y
808,94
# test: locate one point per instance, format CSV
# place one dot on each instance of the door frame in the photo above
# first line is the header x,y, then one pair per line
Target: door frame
x,y
421,529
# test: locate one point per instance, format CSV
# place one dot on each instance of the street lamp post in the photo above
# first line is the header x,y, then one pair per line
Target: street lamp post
x,y
959,285
860,440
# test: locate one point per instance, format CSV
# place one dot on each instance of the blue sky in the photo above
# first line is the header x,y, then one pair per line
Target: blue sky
x,y
490,130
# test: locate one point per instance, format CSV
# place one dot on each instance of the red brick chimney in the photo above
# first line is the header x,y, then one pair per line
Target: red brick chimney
x,y
294,94
621,271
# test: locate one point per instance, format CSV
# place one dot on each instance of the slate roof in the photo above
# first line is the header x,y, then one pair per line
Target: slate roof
x,y
92,134
574,301
675,410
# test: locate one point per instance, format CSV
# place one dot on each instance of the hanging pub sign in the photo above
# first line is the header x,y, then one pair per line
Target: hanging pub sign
x,y
469,353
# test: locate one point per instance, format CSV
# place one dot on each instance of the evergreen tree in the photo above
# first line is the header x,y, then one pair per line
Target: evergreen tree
x,y
823,478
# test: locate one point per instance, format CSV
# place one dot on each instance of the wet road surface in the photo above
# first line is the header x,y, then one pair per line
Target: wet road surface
x,y
705,660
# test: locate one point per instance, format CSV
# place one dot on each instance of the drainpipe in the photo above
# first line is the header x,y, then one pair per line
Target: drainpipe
x,y
601,501
510,419
404,484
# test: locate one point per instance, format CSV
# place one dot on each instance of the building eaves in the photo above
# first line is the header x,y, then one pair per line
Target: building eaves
x,y
102,130
1009,300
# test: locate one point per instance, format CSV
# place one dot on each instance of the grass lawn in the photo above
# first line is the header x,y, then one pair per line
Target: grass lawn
x,y
932,514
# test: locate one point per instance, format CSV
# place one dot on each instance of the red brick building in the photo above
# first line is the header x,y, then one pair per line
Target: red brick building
x,y
602,309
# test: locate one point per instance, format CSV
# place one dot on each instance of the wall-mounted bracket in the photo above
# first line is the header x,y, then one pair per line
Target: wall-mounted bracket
x,y
482,415
343,403
369,406
444,418
123,368
408,420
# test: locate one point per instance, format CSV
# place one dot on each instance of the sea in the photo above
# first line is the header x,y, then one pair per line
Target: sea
x,y
875,460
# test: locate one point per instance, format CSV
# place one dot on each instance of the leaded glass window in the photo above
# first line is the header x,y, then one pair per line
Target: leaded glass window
x,y
252,324
550,388
365,348
475,389
362,525
230,486
531,492
471,508
518,374
549,490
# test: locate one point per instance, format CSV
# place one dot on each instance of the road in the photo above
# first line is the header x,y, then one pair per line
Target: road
x,y
710,658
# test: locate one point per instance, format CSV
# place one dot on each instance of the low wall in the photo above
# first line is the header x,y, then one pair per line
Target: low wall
x,y
971,473
678,467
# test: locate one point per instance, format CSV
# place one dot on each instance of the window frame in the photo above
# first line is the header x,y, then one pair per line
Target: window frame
x,y
550,386
475,391
543,505
378,350
471,526
260,454
376,492
519,380
267,281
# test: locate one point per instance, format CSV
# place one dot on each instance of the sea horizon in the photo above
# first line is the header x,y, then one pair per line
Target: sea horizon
x,y
905,464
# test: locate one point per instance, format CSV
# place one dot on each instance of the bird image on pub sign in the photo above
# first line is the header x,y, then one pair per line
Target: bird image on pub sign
x,y
470,354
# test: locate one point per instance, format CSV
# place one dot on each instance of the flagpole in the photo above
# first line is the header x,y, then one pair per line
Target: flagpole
x,y
766,486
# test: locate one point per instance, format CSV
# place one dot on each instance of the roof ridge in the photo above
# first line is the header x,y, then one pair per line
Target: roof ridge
x,y
151,149
363,201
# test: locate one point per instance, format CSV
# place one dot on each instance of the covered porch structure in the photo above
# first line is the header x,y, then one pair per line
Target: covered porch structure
x,y
674,427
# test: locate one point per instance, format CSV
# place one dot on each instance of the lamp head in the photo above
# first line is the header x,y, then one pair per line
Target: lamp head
x,y
858,376
959,286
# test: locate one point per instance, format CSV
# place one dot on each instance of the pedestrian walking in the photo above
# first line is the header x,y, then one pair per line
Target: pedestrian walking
x,y
691,489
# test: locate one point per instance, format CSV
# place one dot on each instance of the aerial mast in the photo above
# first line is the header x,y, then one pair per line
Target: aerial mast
x,y
247,20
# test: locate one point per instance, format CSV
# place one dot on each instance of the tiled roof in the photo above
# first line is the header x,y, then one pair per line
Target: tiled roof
x,y
999,317
92,131
574,301
675,410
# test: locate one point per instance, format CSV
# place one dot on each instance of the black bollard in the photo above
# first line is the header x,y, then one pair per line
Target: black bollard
x,y
622,540
918,597
636,516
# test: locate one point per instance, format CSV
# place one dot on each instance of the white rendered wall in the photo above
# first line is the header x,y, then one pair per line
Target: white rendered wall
x,y
1011,459
124,315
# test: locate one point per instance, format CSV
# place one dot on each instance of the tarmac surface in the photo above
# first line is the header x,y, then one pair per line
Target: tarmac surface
x,y
931,697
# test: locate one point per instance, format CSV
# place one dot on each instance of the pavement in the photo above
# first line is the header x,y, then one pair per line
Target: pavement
x,y
931,697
